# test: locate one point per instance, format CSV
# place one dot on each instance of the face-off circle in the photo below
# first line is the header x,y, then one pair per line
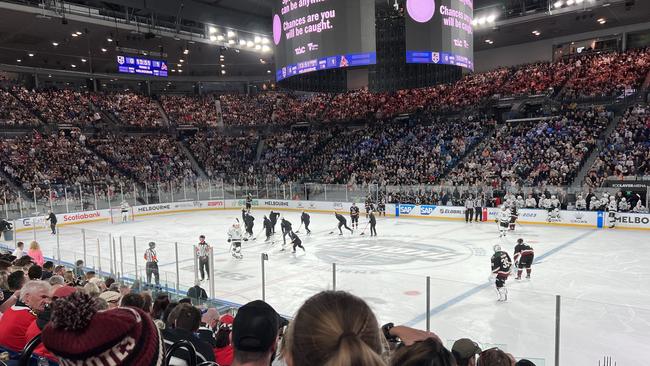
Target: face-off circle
x,y
421,10
277,29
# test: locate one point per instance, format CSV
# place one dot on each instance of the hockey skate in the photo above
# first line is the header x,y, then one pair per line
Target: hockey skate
x,y
503,294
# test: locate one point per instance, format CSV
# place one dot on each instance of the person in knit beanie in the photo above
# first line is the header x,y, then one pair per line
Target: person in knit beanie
x,y
78,334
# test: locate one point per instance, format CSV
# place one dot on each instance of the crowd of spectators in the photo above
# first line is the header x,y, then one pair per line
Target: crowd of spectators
x,y
607,74
37,161
59,106
13,113
627,150
71,310
249,110
225,157
548,152
538,78
130,108
147,158
188,110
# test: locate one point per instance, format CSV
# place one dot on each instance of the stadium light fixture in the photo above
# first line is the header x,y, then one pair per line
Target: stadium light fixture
x,y
223,66
83,60
220,38
268,71
231,34
258,46
231,41
580,1
481,20
242,42
186,51
266,48
19,60
30,55
489,41
73,66
55,44
179,70
75,35
258,39
491,18
109,39
265,41
213,38
569,2
602,21
104,50
181,60
536,32
223,72
250,44
557,4
212,30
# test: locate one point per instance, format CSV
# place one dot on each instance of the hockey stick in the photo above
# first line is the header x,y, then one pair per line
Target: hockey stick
x,y
363,232
298,231
258,233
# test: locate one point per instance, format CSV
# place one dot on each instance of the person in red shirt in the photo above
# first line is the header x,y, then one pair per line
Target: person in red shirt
x,y
15,321
224,352
41,321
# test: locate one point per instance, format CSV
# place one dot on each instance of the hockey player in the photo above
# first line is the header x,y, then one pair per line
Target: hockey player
x,y
639,208
304,219
342,223
354,215
285,226
594,205
469,209
295,240
381,206
581,204
249,222
235,239
520,203
604,202
623,206
273,216
503,220
555,203
611,212
530,201
4,226
373,224
51,217
369,206
479,203
501,266
249,202
124,208
524,255
514,215
268,227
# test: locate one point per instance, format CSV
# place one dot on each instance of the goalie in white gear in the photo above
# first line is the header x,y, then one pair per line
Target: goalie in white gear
x,y
503,220
581,203
611,212
235,238
124,208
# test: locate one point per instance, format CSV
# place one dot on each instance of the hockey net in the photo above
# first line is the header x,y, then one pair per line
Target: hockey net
x,y
116,215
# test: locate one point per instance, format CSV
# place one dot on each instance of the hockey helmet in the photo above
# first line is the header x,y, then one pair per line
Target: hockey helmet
x,y
623,199
236,223
520,241
497,248
579,196
612,198
152,245
520,198
553,197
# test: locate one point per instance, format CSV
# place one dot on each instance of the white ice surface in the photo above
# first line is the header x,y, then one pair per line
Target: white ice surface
x,y
602,276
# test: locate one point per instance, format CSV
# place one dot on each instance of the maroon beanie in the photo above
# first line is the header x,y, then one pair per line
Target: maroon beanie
x,y
79,334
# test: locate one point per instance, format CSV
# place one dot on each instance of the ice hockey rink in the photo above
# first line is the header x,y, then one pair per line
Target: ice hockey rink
x,y
602,276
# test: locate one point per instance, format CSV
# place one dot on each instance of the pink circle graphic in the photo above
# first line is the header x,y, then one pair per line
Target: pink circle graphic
x,y
277,29
421,10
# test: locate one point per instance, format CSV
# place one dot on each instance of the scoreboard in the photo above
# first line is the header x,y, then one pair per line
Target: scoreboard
x,y
141,66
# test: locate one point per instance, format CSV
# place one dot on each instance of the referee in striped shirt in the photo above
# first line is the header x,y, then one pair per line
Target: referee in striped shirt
x,y
152,264
203,252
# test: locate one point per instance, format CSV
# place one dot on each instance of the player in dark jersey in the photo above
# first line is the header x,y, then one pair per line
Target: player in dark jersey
x,y
268,227
524,255
381,206
273,216
249,202
295,240
514,215
501,265
285,225
304,218
369,206
342,223
354,215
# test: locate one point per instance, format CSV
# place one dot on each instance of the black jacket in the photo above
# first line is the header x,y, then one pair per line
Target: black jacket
x,y
197,292
203,350
52,218
304,218
341,218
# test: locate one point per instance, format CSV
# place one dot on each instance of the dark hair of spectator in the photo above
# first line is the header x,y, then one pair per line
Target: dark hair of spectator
x,y
186,317
159,306
16,280
35,272
133,300
425,353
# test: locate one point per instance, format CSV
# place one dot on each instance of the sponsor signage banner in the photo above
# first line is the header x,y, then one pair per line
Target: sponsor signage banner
x,y
633,220
155,208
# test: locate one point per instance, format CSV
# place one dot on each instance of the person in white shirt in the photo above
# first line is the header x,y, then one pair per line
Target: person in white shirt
x,y
19,252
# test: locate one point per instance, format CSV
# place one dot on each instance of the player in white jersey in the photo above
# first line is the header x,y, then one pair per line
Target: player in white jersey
x,y
124,208
503,220
520,203
611,212
530,201
639,208
594,204
581,203
235,238
623,206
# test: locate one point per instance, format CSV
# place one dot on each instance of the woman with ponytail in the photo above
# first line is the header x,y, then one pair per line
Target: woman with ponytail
x,y
334,328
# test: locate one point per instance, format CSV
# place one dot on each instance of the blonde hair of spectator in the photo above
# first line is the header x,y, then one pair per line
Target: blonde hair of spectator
x,y
334,328
34,245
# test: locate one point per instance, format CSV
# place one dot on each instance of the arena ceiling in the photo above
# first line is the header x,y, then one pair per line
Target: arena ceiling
x,y
23,33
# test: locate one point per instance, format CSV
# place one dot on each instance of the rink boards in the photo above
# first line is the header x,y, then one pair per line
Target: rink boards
x,y
589,219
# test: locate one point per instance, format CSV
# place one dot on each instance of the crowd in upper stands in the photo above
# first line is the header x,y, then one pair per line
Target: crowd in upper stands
x,y
187,110
627,150
130,108
82,317
13,113
59,106
549,152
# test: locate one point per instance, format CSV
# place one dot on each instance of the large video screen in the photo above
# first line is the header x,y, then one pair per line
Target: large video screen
x,y
141,66
440,32
311,35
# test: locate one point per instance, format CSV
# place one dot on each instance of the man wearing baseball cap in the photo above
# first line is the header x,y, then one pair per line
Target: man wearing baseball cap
x,y
255,334
465,351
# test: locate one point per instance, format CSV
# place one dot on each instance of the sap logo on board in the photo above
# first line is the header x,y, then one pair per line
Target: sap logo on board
x,y
406,209
427,210
276,203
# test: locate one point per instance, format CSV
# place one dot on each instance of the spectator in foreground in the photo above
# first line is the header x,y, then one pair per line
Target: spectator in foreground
x,y
495,357
15,321
35,272
15,281
79,269
132,340
209,322
36,253
465,351
133,300
112,298
223,352
429,352
332,328
255,334
187,320
19,252
48,270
